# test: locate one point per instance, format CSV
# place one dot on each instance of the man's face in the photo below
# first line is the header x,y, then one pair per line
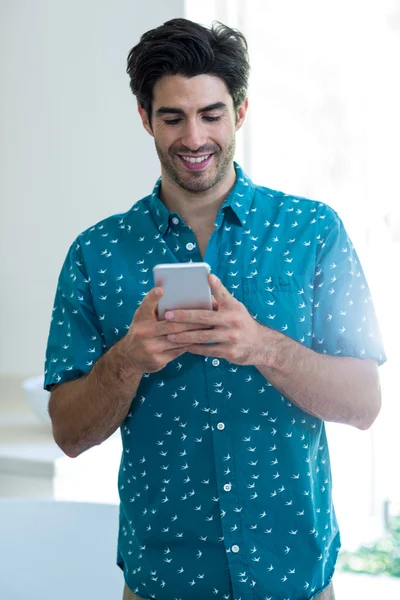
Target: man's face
x,y
194,126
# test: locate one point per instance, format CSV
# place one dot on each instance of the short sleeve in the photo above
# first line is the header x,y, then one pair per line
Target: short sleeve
x,y
75,341
344,318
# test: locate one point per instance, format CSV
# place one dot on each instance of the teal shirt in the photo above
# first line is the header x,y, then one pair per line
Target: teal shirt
x,y
225,484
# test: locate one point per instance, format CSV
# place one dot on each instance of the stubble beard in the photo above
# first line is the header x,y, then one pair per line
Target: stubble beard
x,y
197,181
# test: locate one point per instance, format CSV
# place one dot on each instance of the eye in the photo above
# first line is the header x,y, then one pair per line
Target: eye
x,y
212,119
172,121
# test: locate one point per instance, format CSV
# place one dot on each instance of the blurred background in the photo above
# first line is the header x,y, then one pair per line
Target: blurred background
x,y
323,122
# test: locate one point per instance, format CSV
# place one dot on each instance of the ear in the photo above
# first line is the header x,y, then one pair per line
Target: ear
x,y
241,114
145,120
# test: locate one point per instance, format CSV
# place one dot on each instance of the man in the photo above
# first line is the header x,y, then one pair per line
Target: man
x,y
225,481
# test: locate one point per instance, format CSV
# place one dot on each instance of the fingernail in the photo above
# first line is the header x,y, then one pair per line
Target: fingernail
x,y
169,315
172,337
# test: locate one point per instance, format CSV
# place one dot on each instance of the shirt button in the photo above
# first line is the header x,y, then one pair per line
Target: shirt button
x,y
189,246
227,487
215,362
221,426
235,548
175,220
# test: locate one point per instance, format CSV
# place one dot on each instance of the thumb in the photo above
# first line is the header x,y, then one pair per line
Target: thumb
x,y
148,307
220,293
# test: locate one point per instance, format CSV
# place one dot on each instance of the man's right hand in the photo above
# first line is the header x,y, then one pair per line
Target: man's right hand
x,y
87,410
146,342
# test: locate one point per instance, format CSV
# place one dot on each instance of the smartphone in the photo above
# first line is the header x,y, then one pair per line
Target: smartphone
x,y
185,285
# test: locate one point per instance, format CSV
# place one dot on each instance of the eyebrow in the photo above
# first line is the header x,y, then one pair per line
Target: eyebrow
x,y
166,110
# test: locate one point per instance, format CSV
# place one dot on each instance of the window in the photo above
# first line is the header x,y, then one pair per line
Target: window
x,y
324,122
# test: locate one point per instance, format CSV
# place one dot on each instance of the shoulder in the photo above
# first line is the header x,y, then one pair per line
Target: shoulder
x,y
114,226
295,212
294,203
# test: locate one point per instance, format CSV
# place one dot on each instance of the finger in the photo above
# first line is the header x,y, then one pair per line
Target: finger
x,y
200,337
219,291
166,327
214,303
172,354
205,317
166,346
148,307
218,350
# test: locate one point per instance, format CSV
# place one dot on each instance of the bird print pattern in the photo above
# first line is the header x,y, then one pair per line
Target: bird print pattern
x,y
225,484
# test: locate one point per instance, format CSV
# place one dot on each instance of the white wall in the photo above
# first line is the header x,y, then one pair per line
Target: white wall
x,y
72,149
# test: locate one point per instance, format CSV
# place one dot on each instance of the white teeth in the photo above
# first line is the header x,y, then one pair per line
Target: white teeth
x,y
191,159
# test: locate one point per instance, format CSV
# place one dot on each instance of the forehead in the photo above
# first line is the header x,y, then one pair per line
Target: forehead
x,y
190,93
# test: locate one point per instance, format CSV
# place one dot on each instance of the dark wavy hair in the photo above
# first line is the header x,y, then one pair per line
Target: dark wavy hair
x,y
186,48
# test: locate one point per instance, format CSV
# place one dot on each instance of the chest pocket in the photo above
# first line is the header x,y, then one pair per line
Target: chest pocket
x,y
283,303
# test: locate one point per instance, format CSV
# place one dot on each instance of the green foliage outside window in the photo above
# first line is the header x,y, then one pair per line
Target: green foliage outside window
x,y
380,558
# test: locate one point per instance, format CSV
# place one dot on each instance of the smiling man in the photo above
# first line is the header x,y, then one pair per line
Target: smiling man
x,y
198,164
193,121
225,481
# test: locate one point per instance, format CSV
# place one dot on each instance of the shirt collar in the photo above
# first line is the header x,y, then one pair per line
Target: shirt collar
x,y
238,200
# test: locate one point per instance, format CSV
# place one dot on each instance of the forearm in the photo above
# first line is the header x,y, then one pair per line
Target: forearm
x,y
86,411
332,388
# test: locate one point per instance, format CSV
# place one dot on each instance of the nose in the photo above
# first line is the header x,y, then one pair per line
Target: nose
x,y
194,135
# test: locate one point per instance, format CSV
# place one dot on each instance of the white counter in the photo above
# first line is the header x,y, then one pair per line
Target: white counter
x,y
32,465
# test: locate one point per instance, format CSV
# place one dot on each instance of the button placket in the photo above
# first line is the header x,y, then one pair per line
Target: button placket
x,y
223,457
188,245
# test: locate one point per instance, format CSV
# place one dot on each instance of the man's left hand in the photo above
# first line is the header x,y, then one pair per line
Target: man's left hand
x,y
235,335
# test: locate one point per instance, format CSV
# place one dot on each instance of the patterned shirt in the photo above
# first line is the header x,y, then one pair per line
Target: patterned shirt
x,y
225,484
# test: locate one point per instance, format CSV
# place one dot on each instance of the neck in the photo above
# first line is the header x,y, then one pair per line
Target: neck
x,y
198,210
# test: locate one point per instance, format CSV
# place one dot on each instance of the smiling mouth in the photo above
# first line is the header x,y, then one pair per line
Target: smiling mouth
x,y
195,159
196,163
